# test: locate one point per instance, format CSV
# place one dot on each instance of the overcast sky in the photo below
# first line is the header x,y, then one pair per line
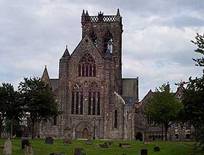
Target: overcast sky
x,y
156,37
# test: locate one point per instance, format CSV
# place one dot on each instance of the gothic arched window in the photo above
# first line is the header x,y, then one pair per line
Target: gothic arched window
x,y
77,100
108,43
116,119
94,38
86,66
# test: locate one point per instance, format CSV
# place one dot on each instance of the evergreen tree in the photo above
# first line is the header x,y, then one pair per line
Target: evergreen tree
x,y
39,101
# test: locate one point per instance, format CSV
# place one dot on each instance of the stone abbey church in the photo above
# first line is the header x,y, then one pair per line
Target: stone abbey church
x,y
94,100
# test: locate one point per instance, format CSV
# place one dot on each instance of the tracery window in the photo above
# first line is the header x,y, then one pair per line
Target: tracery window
x,y
87,67
92,93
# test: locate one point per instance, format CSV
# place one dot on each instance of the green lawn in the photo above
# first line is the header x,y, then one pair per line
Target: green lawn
x,y
167,148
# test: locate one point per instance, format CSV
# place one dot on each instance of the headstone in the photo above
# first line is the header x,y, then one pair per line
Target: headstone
x,y
124,145
110,143
28,150
88,142
24,142
144,152
156,149
79,151
49,140
7,147
104,145
57,153
67,141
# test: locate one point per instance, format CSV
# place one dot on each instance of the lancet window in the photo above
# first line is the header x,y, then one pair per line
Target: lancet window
x,y
116,119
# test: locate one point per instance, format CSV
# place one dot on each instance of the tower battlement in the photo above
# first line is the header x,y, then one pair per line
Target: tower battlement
x,y
85,18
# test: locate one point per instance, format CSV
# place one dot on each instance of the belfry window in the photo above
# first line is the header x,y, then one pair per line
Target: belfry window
x,y
108,43
87,67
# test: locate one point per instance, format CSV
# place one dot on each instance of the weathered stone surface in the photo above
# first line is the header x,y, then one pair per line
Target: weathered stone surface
x,y
7,147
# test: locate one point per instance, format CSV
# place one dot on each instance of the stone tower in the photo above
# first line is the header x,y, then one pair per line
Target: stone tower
x,y
106,34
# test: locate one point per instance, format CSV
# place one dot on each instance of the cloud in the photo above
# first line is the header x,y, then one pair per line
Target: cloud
x,y
156,37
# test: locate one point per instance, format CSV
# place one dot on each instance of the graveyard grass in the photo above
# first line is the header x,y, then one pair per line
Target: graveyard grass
x,y
167,148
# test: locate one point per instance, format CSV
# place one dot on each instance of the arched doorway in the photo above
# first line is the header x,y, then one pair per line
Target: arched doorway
x,y
85,133
139,136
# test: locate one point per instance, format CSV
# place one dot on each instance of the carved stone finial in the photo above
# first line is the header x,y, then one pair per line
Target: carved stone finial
x,y
118,12
87,13
100,16
83,13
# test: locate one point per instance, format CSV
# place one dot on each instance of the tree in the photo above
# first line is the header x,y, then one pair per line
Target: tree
x,y
193,98
163,107
14,111
39,101
200,49
2,106
11,108
194,105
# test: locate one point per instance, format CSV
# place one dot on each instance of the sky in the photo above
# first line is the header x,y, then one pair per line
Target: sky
x,y
156,44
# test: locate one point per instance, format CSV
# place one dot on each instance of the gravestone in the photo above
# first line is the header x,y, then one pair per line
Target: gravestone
x,y
144,152
79,151
110,143
49,140
104,145
156,149
24,142
67,141
88,142
57,153
124,145
28,149
7,147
